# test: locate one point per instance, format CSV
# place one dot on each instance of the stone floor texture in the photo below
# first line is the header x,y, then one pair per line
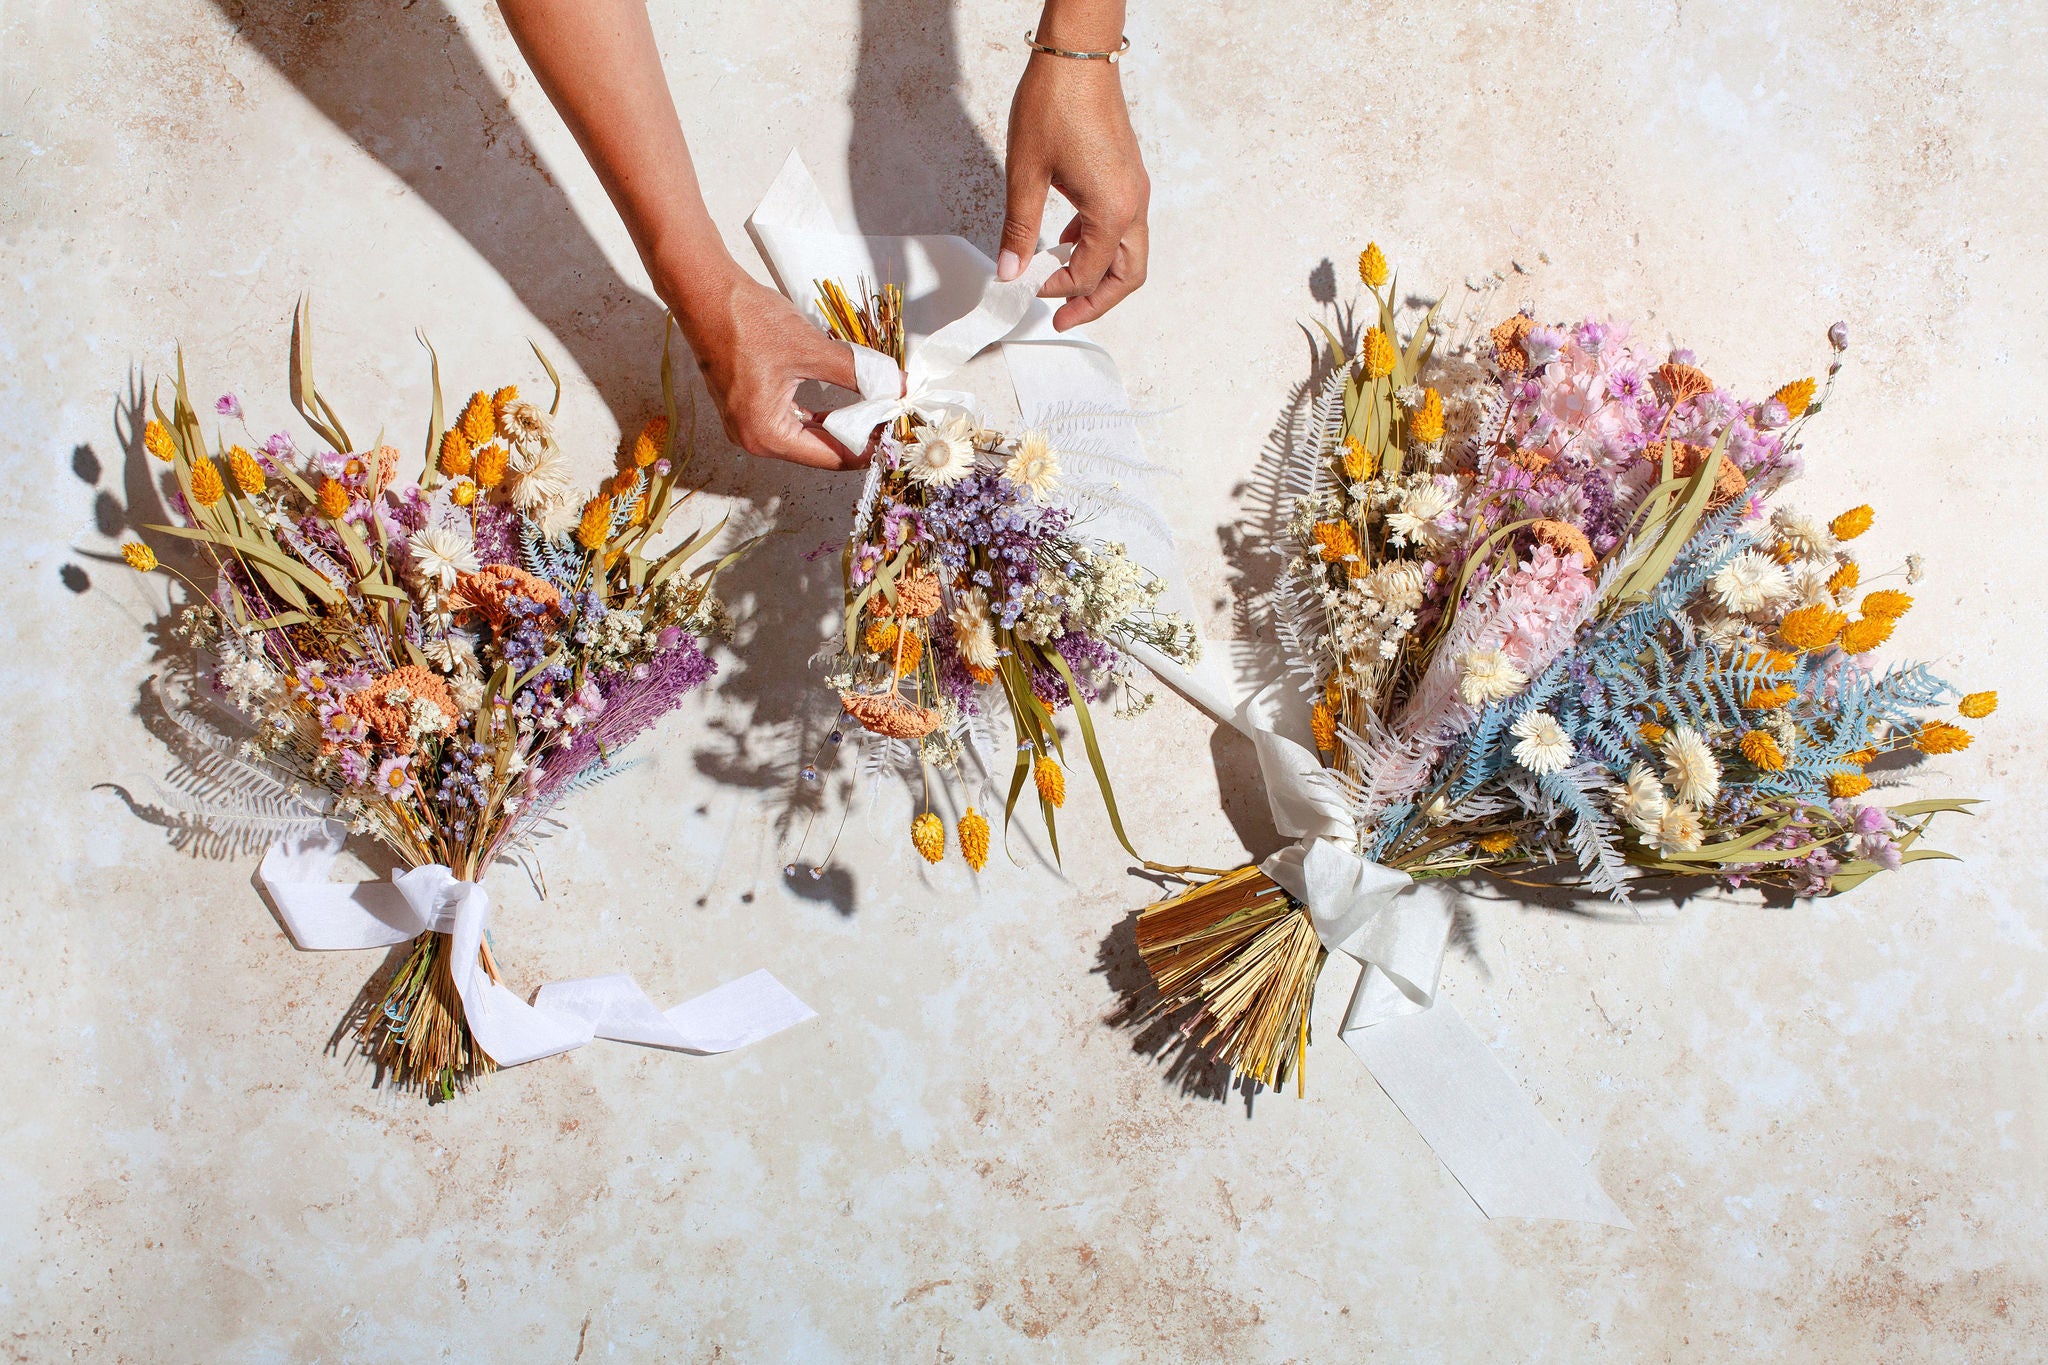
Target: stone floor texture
x,y
1828,1122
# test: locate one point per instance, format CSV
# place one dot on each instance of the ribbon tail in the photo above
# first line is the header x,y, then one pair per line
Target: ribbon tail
x,y
510,1031
326,916
754,1007
1447,1082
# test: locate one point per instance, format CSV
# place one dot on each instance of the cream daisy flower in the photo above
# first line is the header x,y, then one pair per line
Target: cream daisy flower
x,y
1690,768
1544,747
543,482
1034,467
1488,675
1679,831
1419,510
1641,801
442,554
941,455
1809,538
1750,582
973,632
528,430
1809,582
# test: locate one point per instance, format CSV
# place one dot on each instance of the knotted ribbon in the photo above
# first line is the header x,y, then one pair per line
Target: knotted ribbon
x,y
1437,1071
323,915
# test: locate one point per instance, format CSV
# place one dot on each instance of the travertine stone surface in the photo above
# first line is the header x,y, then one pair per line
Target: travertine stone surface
x,y
1827,1122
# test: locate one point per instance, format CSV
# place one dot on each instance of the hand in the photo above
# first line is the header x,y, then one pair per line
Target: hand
x,y
754,348
1069,130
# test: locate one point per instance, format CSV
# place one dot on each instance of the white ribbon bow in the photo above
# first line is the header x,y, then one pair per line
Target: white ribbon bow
x,y
1437,1071
888,393
324,915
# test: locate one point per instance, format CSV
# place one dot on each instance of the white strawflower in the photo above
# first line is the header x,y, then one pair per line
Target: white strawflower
x,y
1808,538
941,455
543,484
1488,676
1690,768
1750,582
527,429
1035,467
1809,582
1420,508
442,554
1641,802
1544,747
973,632
450,654
1679,831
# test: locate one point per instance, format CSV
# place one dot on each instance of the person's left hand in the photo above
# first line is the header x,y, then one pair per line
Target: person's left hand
x,y
1069,131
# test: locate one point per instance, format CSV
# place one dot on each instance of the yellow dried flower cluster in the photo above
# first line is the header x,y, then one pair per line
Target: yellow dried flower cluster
x,y
1358,462
1887,603
1372,265
1978,705
247,474
333,498
1844,579
595,526
1851,523
647,447
1338,541
478,422
491,463
457,459
1760,747
1811,628
139,556
1378,354
928,836
974,838
206,485
1322,723
1500,841
1796,396
1841,786
1939,737
156,439
1427,425
1051,782
1865,634
502,399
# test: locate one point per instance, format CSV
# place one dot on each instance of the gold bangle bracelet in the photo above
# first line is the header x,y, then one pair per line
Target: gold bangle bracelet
x,y
1031,37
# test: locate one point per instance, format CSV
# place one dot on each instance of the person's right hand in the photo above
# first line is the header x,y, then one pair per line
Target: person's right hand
x,y
754,348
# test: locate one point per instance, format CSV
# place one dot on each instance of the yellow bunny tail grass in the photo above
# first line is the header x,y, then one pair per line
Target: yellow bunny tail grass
x,y
648,445
457,458
333,498
247,474
1851,523
502,399
1243,956
928,836
1810,628
1978,705
1796,396
595,527
1841,786
1372,265
139,556
1844,580
1862,636
974,836
1939,737
1427,425
1887,603
1500,841
478,422
1760,747
1378,353
1052,783
156,439
491,463
1322,723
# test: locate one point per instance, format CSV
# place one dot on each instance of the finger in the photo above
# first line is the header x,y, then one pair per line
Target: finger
x,y
1125,277
832,363
1095,246
803,442
1023,213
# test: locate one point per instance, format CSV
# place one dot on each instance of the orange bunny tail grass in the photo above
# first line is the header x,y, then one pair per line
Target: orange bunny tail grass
x,y
1240,956
417,1033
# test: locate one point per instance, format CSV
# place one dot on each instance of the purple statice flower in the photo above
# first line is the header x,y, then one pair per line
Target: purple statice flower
x,y
461,791
984,512
956,684
227,405
497,534
631,702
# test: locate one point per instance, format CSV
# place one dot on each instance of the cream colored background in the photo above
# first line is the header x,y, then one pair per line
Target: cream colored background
x,y
1827,1122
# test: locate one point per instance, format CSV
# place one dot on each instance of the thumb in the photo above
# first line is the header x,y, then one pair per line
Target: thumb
x,y
1023,212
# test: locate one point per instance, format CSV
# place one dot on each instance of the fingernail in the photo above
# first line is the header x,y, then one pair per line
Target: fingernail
x,y
1008,265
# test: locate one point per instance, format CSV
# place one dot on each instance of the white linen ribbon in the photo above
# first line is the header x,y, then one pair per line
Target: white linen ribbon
x,y
888,393
1436,1070
1440,1073
323,915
